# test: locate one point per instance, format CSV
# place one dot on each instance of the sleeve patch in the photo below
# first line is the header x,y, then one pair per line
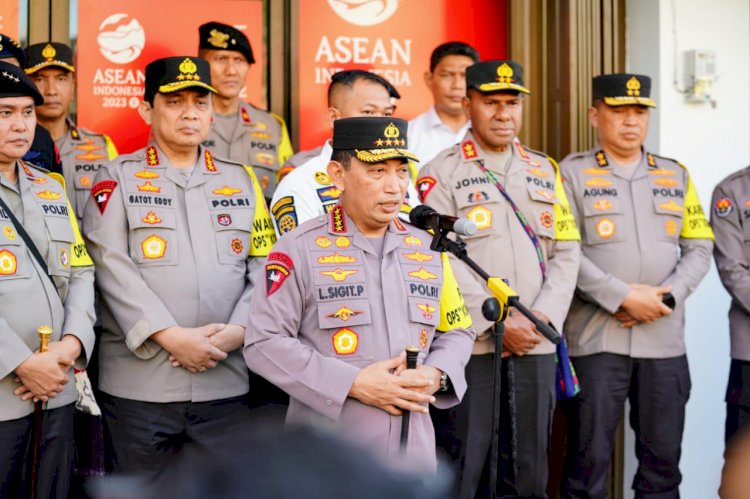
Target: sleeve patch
x,y
285,214
695,225
454,313
723,207
283,258
424,186
102,193
276,274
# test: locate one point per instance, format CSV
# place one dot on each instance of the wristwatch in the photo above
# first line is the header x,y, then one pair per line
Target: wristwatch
x,y
445,383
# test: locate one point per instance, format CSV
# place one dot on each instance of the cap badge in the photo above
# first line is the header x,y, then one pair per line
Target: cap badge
x,y
49,52
505,73
188,70
391,134
633,86
218,39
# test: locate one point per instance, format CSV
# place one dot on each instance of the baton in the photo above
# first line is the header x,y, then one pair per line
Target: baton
x,y
45,333
411,363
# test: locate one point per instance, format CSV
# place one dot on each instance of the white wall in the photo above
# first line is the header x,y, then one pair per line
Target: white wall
x,y
712,142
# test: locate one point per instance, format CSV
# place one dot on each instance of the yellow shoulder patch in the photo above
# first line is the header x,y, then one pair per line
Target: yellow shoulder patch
x,y
111,148
454,313
80,256
694,223
565,223
285,145
264,235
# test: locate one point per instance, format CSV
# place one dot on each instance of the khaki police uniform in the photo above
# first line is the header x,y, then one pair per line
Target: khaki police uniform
x,y
453,184
82,153
260,140
639,224
29,300
182,250
730,222
60,296
322,317
172,251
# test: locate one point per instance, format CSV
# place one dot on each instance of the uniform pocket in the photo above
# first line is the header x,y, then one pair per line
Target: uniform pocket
x,y
61,238
153,236
345,330
603,229
233,229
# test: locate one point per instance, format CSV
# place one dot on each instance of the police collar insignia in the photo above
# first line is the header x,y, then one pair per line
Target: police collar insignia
x,y
338,221
210,165
399,226
152,156
469,149
244,115
601,159
651,161
74,134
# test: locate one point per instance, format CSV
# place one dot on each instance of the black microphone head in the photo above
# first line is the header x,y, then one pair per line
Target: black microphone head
x,y
418,216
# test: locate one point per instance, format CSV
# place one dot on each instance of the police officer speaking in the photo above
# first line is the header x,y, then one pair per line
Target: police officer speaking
x,y
346,292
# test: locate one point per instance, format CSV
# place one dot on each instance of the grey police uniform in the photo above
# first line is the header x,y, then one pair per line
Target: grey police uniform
x,y
639,224
260,140
82,153
334,304
30,300
730,221
171,250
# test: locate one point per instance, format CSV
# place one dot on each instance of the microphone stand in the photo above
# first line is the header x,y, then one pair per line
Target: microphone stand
x,y
493,309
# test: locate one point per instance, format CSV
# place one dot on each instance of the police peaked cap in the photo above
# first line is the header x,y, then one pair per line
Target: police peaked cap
x,y
218,36
44,55
623,89
496,76
372,139
15,83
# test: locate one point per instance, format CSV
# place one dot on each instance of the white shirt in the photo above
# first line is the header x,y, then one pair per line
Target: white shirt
x,y
307,192
428,135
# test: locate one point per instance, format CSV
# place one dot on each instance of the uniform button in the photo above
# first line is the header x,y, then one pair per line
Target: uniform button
x,y
329,402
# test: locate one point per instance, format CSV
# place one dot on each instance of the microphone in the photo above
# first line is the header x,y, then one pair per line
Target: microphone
x,y
426,218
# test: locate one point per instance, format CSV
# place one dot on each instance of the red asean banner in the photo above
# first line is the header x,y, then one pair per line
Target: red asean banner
x,y
9,18
393,38
118,39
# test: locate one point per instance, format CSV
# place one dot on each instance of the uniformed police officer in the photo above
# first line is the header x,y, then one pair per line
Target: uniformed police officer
x,y
347,291
526,235
43,152
240,131
644,235
46,278
175,234
307,191
50,67
731,211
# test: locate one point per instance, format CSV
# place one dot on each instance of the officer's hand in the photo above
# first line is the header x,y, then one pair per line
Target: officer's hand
x,y
378,386
644,304
626,320
228,338
69,347
520,334
429,373
42,376
190,346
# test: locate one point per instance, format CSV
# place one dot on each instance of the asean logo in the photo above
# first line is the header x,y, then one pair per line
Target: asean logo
x,y
121,38
364,12
345,341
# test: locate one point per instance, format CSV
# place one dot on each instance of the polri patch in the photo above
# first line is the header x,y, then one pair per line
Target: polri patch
x,y
102,192
276,274
723,207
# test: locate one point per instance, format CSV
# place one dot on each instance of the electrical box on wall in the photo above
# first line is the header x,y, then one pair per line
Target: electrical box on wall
x,y
700,73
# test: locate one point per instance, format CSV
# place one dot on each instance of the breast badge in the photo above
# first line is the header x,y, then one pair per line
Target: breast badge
x,y
323,241
338,275
422,274
605,228
151,218
8,263
546,219
153,247
9,232
343,242
345,341
418,256
344,313
480,216
237,246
